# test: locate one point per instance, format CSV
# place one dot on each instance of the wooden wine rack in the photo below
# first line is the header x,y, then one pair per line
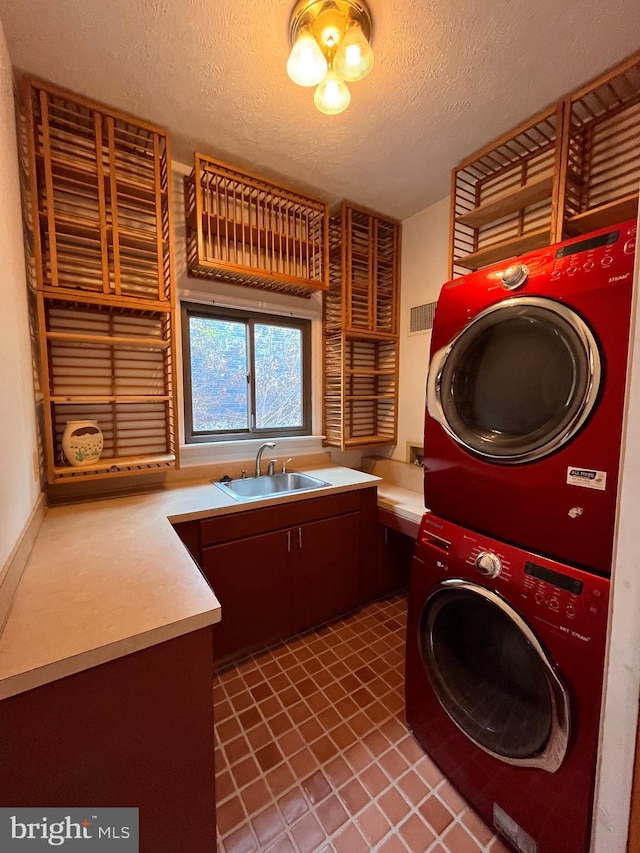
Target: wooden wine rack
x,y
242,229
99,222
361,330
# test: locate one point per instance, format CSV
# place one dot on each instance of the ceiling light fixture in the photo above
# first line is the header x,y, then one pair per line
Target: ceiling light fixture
x,y
330,44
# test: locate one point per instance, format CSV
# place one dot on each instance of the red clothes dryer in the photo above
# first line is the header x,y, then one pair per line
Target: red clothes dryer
x,y
504,666
525,397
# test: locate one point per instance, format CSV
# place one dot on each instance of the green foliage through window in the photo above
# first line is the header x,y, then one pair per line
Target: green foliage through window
x,y
244,374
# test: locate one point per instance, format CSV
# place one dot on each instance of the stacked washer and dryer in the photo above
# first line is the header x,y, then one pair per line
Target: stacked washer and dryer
x,y
510,581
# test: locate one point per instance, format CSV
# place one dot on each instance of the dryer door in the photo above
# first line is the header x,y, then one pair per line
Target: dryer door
x,y
518,382
492,676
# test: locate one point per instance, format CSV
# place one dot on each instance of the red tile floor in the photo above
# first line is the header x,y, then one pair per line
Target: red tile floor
x,y
313,752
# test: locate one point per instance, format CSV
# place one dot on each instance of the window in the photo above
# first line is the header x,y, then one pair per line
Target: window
x,y
246,375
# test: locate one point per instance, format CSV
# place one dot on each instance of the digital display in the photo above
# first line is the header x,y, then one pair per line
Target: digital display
x,y
544,574
601,240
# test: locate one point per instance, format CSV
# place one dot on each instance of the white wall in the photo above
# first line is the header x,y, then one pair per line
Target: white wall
x,y
425,241
19,487
620,708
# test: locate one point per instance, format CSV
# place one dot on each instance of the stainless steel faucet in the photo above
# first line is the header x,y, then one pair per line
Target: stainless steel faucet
x,y
259,456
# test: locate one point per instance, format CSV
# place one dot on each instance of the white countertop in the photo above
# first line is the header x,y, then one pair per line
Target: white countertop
x,y
109,577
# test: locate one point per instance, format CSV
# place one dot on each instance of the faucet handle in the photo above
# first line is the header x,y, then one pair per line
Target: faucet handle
x,y
285,463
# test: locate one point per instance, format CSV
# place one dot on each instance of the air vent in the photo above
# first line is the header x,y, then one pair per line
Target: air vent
x,y
421,318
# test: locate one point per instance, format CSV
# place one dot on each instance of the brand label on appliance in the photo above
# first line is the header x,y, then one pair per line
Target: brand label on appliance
x,y
588,478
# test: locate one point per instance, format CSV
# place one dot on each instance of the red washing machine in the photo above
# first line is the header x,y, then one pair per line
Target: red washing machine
x,y
525,397
504,666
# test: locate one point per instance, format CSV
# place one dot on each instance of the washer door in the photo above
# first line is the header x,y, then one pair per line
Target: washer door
x,y
492,676
518,381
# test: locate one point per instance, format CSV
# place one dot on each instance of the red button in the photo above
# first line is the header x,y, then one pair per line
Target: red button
x,y
593,609
606,261
596,592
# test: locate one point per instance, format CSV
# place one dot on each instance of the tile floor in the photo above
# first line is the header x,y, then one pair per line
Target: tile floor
x,y
313,753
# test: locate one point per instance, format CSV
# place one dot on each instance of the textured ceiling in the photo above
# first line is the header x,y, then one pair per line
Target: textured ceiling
x,y
449,76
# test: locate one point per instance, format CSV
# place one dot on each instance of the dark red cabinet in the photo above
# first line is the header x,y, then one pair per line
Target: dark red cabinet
x,y
325,561
276,584
281,569
135,731
251,579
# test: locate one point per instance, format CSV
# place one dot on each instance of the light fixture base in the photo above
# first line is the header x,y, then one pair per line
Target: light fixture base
x,y
306,12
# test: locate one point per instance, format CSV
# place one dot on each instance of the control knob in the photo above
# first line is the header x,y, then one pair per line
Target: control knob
x,y
488,564
515,276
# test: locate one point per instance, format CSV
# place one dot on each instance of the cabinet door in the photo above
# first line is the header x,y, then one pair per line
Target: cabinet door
x,y
252,580
395,553
326,557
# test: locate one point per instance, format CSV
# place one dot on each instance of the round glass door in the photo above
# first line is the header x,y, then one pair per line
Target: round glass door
x,y
492,677
518,382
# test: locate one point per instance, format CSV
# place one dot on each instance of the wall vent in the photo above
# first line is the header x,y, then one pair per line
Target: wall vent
x,y
421,318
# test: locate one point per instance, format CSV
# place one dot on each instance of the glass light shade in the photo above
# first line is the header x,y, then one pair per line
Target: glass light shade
x,y
354,56
332,95
306,65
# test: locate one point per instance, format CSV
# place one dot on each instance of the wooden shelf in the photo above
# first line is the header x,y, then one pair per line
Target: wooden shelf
x,y
111,340
506,249
509,202
601,217
97,399
243,229
507,188
115,301
79,171
602,172
364,372
114,465
77,227
366,440
97,199
364,397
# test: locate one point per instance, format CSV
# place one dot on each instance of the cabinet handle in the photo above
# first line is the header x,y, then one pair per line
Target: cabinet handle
x,y
300,537
288,540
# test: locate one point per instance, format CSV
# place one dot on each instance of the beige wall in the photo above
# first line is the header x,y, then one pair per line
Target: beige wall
x,y
425,239
19,488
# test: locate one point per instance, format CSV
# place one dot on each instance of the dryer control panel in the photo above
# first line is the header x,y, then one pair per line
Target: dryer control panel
x,y
573,601
594,253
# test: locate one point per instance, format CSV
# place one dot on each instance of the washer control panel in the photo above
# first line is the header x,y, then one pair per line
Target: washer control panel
x,y
573,601
488,564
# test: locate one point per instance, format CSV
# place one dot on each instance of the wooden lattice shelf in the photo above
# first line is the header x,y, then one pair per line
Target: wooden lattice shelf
x,y
360,391
502,197
573,169
100,201
98,187
361,330
603,169
243,229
